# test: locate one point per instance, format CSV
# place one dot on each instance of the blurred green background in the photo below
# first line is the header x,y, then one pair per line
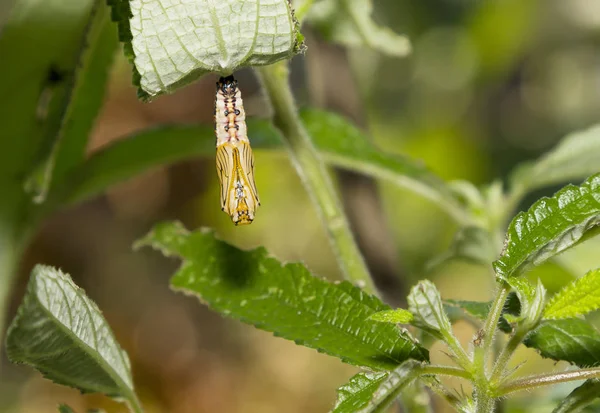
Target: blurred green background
x,y
490,83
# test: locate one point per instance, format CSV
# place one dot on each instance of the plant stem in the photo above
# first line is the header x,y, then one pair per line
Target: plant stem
x,y
437,370
532,382
489,328
10,256
506,354
484,399
313,174
462,357
134,404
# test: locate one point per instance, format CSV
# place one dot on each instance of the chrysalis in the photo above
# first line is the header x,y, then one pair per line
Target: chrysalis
x,y
235,161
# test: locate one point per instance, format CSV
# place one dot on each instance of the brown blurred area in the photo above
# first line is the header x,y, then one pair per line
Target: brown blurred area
x,y
490,83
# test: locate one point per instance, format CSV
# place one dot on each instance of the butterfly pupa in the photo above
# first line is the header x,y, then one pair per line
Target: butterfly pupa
x,y
235,161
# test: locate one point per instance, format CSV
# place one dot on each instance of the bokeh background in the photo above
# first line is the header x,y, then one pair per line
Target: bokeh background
x,y
490,83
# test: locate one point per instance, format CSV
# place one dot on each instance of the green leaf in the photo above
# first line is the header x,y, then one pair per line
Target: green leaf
x,y
39,44
550,226
397,316
348,149
532,301
349,22
476,309
374,392
472,244
82,100
358,392
63,408
532,304
88,92
425,303
35,90
573,340
174,43
575,158
579,398
59,331
286,300
578,298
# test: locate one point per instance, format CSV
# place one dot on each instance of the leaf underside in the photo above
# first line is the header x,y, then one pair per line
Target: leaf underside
x,y
59,331
574,158
174,42
286,300
374,392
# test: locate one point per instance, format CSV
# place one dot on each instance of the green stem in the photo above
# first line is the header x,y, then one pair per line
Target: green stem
x,y
134,404
313,174
12,244
484,399
506,354
531,382
462,357
437,370
9,261
489,328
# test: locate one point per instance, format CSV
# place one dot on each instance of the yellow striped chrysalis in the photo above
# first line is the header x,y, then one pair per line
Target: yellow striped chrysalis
x,y
235,161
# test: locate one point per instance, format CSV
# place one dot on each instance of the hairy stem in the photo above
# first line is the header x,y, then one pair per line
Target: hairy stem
x,y
484,399
134,404
489,328
462,358
532,382
506,354
444,371
313,174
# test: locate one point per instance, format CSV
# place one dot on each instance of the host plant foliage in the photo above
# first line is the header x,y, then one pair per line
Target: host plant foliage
x,y
62,333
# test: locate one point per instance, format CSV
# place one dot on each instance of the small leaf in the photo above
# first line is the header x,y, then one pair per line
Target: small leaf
x,y
532,304
63,408
397,316
573,340
531,299
59,331
174,43
425,303
374,392
286,300
349,22
575,158
358,392
579,398
578,298
550,226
